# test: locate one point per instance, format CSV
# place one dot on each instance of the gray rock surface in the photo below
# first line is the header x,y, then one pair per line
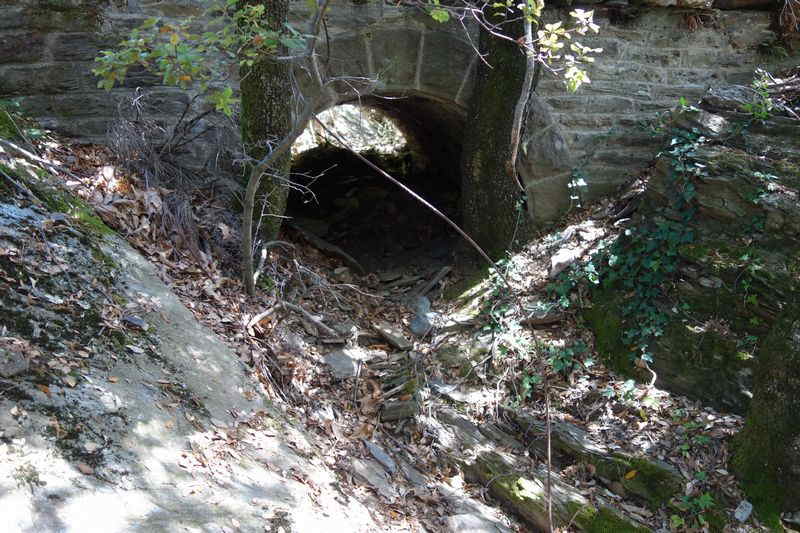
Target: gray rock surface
x,y
133,441
343,362
373,474
470,523
12,363
381,456
393,335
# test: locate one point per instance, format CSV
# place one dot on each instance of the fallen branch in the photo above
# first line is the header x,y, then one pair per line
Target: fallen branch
x,y
517,484
261,316
36,159
311,318
444,271
328,247
263,260
655,482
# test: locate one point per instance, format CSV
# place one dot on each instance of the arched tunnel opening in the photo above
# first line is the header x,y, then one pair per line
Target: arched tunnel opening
x,y
340,199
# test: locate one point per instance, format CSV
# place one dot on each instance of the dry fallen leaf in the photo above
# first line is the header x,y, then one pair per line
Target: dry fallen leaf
x,y
71,381
85,469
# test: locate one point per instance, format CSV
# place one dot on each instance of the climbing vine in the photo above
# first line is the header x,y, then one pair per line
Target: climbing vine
x,y
644,258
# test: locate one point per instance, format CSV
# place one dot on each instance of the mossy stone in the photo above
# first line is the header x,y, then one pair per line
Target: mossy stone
x,y
767,451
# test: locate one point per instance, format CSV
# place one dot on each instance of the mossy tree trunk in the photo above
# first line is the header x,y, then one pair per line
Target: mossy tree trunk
x,y
490,196
266,117
767,451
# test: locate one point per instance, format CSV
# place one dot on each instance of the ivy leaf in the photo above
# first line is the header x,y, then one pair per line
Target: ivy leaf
x,y
439,15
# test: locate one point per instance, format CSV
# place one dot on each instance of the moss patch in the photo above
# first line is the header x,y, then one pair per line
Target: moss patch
x,y
655,485
603,520
59,201
8,128
766,451
605,319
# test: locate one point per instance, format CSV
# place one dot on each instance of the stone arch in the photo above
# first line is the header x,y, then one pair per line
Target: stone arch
x,y
426,72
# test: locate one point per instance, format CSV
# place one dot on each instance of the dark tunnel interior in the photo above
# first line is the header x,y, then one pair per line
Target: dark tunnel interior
x,y
340,199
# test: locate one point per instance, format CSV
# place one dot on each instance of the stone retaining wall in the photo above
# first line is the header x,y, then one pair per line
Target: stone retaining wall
x,y
647,65
649,61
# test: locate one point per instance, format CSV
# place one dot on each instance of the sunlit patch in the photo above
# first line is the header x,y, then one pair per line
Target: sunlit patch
x,y
362,128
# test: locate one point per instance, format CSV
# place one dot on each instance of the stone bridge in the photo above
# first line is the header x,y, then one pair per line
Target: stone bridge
x,y
651,58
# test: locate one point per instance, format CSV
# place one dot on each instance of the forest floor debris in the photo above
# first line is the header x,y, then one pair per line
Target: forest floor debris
x,y
486,359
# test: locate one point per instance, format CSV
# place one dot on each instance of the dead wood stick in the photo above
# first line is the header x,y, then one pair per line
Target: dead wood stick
x,y
311,318
263,260
436,279
328,247
261,316
36,159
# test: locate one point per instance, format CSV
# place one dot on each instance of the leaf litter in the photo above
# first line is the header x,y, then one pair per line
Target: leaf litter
x,y
285,349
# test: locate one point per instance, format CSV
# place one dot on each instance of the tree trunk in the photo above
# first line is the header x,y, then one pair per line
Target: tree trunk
x,y
767,451
492,212
266,116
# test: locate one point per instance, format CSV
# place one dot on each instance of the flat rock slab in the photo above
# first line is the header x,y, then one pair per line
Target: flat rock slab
x,y
344,362
393,335
374,475
381,456
138,434
12,363
470,515
468,523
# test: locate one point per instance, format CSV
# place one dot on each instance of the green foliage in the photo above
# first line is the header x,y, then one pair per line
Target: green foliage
x,y
564,358
761,106
437,13
570,279
645,258
13,125
773,49
528,383
695,509
550,42
184,57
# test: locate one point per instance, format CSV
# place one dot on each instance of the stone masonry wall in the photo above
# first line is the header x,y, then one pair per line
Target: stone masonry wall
x,y
650,60
648,63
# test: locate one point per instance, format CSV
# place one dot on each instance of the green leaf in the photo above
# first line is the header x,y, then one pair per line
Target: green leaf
x,y
439,15
149,23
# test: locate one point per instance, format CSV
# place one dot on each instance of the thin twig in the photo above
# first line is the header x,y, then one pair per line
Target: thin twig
x,y
549,459
522,103
261,316
311,318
